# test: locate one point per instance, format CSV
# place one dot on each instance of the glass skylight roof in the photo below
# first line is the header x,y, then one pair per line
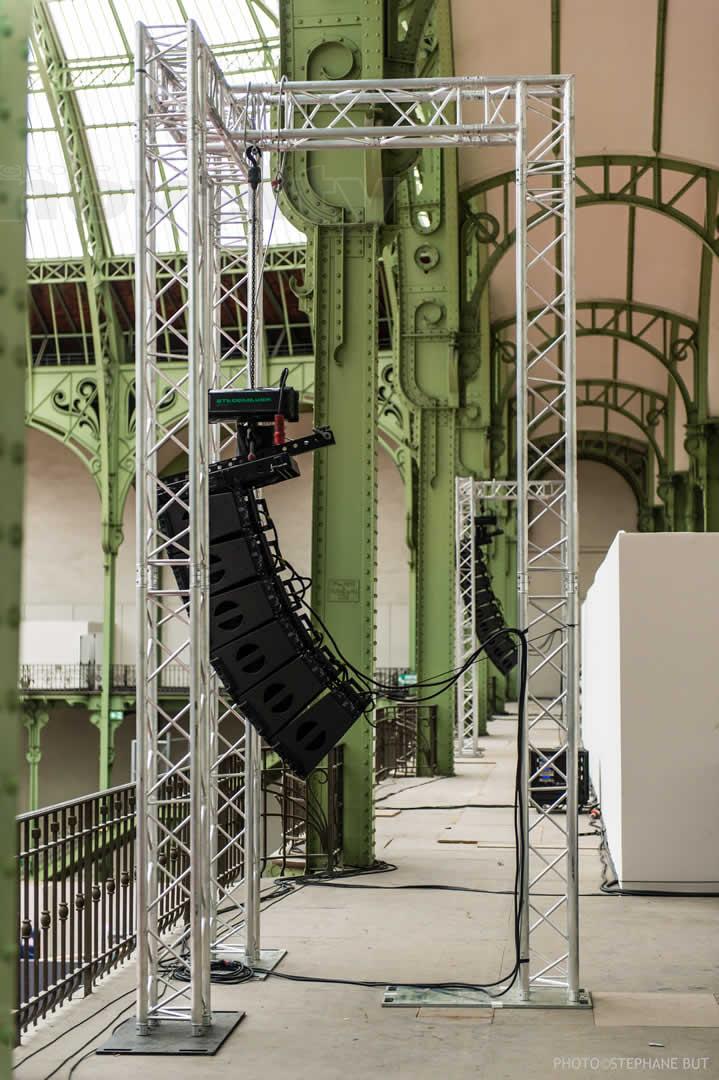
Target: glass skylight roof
x,y
97,40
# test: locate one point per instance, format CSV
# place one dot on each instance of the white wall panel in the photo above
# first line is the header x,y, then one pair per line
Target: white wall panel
x,y
650,626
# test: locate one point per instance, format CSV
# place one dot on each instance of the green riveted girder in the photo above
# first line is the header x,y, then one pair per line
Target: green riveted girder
x,y
481,439
421,261
337,199
99,393
14,28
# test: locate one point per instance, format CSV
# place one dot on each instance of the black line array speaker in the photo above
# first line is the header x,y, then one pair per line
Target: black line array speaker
x,y
271,660
489,619
489,626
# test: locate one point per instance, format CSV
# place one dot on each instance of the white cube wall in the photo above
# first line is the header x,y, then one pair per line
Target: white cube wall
x,y
650,700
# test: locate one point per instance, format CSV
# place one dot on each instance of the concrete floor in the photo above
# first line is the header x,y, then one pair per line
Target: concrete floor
x,y
659,947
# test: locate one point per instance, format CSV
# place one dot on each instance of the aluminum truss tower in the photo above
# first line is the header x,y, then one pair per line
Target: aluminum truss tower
x,y
192,186
467,723
193,134
469,495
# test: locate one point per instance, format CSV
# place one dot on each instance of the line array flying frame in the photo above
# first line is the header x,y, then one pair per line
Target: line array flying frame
x,y
193,192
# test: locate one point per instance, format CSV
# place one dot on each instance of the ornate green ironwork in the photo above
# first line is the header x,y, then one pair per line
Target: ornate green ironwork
x,y
36,718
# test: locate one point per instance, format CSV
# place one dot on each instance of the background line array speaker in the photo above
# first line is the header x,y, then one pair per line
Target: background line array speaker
x,y
489,619
270,659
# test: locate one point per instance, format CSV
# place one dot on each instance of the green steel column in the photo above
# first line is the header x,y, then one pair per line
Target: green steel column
x,y
409,475
112,536
107,715
14,26
426,320
336,197
435,574
36,719
710,463
344,492
698,443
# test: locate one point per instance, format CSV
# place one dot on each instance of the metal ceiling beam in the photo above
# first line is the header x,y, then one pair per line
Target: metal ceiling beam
x,y
556,36
122,268
100,72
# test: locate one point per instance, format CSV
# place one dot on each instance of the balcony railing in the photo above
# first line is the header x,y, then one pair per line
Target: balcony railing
x,y
305,814
405,740
76,870
77,897
86,678
395,678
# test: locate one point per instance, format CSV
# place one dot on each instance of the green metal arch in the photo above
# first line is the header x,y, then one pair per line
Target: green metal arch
x,y
611,457
611,407
620,411
620,335
621,197
80,450
588,454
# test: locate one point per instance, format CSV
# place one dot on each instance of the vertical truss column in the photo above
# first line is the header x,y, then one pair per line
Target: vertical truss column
x,y
173,844
547,530
227,308
234,307
253,743
466,639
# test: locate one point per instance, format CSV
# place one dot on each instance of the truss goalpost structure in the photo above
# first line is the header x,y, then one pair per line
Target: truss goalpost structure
x,y
192,133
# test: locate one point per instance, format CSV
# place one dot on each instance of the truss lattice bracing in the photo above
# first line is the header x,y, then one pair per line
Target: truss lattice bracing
x,y
183,184
547,522
194,130
467,725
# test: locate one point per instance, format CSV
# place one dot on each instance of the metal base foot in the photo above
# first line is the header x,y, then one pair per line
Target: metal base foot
x,y
172,1037
266,961
545,997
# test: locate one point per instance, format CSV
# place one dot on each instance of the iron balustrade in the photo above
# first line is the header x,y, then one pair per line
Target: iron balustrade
x,y
405,740
306,816
392,677
79,678
77,874
76,879
86,678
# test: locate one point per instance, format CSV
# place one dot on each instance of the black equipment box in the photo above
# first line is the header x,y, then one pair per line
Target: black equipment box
x,y
259,404
548,784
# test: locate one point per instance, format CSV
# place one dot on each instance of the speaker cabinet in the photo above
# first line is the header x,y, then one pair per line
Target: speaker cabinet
x,y
271,661
306,739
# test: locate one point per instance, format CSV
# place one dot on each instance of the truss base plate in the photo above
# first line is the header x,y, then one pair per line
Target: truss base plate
x,y
545,997
172,1037
266,961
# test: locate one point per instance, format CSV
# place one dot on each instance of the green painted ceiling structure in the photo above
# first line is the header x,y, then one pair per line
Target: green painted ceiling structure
x,y
440,234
